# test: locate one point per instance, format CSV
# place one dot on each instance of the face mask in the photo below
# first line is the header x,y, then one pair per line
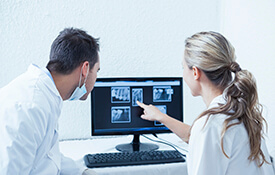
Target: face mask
x,y
79,91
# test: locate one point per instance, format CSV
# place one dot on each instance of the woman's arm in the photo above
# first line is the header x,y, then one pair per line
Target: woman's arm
x,y
152,113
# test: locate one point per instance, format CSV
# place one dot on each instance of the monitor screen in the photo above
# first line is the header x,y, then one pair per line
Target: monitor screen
x,y
114,107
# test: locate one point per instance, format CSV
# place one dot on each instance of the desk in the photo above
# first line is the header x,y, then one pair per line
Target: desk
x,y
76,149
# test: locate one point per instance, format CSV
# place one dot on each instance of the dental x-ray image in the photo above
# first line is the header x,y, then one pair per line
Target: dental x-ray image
x,y
137,94
120,94
162,109
121,114
162,93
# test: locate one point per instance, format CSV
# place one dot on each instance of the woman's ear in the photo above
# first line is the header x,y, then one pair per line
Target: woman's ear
x,y
196,72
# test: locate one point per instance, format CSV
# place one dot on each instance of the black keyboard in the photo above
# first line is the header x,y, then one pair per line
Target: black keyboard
x,y
133,158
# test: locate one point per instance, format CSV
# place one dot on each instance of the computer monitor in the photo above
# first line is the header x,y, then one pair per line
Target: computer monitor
x,y
115,111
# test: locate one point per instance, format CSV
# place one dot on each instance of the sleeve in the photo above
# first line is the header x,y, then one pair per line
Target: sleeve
x,y
71,167
22,128
205,154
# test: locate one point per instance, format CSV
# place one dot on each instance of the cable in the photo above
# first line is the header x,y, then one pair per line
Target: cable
x,y
164,143
170,143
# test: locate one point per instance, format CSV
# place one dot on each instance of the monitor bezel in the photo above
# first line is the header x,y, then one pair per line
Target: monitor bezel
x,y
165,130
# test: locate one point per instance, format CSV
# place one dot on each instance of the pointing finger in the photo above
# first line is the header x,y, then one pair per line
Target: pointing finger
x,y
142,105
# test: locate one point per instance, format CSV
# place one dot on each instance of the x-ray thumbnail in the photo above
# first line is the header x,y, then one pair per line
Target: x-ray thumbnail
x,y
137,94
120,94
162,109
121,114
162,93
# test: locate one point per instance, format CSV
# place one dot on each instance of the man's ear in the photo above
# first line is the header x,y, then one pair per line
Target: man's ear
x,y
85,68
196,72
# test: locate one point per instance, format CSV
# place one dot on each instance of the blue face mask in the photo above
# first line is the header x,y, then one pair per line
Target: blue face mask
x,y
79,91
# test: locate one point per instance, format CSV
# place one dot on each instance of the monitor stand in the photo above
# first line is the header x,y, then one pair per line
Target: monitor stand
x,y
135,145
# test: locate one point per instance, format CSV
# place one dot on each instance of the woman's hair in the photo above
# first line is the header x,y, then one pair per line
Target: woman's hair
x,y
215,56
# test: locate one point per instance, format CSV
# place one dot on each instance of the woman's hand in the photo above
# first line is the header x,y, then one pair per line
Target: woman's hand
x,y
151,112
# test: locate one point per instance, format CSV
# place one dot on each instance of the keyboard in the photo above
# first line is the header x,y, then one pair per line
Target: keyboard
x,y
133,158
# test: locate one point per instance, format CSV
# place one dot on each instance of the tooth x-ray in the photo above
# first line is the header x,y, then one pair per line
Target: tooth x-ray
x,y
137,94
120,94
121,114
162,93
162,109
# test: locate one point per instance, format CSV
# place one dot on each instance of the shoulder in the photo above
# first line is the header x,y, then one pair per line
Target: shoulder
x,y
22,88
214,126
216,123
206,123
34,88
28,99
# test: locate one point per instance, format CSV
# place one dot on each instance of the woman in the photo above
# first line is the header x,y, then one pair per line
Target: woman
x,y
227,138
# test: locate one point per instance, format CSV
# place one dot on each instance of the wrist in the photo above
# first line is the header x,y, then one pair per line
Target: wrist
x,y
162,118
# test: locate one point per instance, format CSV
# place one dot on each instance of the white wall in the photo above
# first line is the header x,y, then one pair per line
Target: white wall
x,y
138,38
250,26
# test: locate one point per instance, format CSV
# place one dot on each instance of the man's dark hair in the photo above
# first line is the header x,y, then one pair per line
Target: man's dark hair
x,y
71,48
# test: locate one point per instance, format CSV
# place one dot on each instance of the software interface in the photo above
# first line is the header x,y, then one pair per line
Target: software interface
x,y
114,107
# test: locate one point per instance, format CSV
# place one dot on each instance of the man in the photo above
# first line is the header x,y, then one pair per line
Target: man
x,y
31,104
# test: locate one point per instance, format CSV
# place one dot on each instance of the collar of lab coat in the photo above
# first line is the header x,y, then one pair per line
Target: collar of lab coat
x,y
216,101
45,77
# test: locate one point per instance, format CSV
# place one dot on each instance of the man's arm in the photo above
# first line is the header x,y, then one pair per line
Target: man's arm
x,y
21,135
69,166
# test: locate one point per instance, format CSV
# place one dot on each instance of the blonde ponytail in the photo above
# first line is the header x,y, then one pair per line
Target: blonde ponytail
x,y
215,56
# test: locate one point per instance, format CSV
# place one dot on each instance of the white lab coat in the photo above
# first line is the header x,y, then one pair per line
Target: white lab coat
x,y
30,107
205,155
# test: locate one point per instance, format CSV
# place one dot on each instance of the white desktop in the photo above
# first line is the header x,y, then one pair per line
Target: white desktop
x,y
77,149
